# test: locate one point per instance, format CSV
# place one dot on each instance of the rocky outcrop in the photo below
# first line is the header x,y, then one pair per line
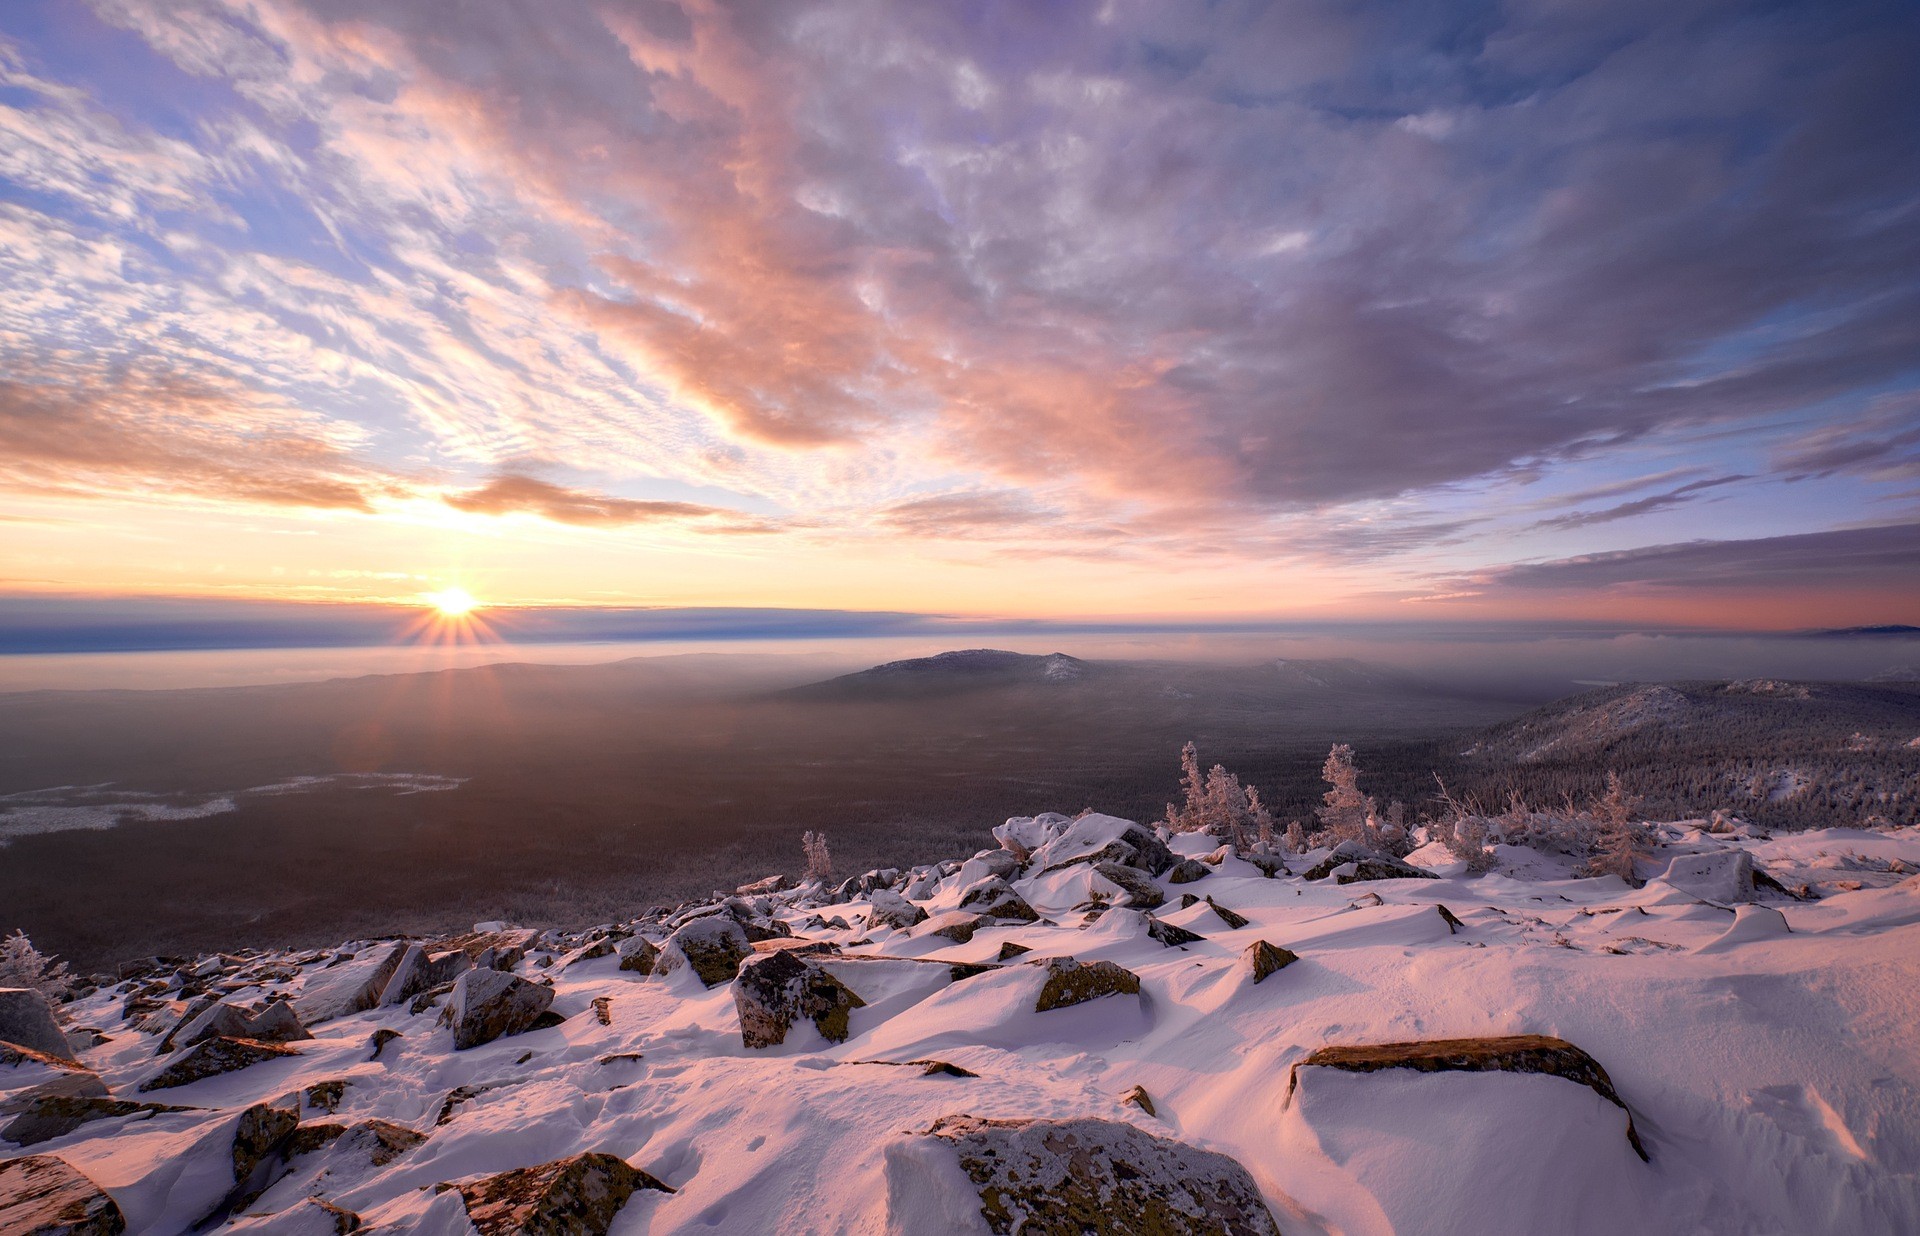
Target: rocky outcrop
x,y
43,1196
890,909
212,1057
44,1117
1264,959
774,990
350,987
1187,870
712,947
1516,1053
1093,838
490,1004
569,1197
378,1142
1071,982
27,1019
955,925
1087,1176
310,1216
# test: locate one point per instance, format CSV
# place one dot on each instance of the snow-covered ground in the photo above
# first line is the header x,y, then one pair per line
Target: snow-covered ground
x,y
1767,1048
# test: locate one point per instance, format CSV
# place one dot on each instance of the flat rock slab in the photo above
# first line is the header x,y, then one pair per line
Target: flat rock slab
x,y
569,1197
41,1195
1091,1177
211,1057
1515,1053
350,987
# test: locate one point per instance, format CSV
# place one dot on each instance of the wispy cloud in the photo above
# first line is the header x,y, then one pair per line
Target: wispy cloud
x,y
1690,492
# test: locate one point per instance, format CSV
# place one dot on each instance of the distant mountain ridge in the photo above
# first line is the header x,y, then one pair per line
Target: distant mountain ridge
x,y
964,669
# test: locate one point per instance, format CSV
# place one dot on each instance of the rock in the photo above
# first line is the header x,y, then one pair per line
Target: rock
x,y
351,987
1187,870
1002,862
1518,1053
1140,890
1270,865
381,1038
1139,1098
603,1010
955,925
1171,936
13,1055
1454,925
325,1096
1096,838
1232,920
994,899
211,1057
638,954
490,1004
47,1116
380,1141
277,1023
773,990
310,1216
261,1129
1009,950
27,1019
42,1196
766,887
890,909
1070,982
569,1197
1348,865
1725,876
408,977
712,947
1264,958
1081,1176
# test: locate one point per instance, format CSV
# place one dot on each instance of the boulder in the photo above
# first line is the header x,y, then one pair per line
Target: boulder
x,y
638,954
1264,959
1138,886
1073,1178
890,909
261,1129
569,1197
1009,950
1170,935
350,987
713,947
766,887
1725,876
43,1196
955,925
490,1004
1096,838
773,990
1071,982
994,900
1270,865
1232,920
212,1057
27,1018
1349,864
277,1023
1187,870
1515,1053
1003,863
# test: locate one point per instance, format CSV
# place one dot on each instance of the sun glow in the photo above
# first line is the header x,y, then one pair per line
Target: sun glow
x,y
452,602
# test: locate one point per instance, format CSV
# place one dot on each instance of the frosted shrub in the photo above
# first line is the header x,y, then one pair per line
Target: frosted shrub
x,y
1462,831
1618,840
819,861
22,965
1347,814
1216,803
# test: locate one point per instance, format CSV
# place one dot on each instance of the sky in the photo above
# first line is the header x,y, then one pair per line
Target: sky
x,y
1150,312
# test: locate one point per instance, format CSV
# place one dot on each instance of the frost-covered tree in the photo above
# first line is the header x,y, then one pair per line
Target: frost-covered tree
x,y
1189,815
1462,830
22,965
1619,838
1347,813
819,861
1296,837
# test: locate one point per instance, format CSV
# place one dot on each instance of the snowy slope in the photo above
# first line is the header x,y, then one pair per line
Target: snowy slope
x,y
1769,1054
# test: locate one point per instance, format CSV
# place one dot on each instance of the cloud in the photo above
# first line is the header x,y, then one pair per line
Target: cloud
x,y
1680,496
511,493
1885,558
1002,513
1884,444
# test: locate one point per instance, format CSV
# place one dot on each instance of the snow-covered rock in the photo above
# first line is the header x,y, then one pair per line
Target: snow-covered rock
x,y
27,1019
1725,876
579,1196
40,1195
712,948
490,1004
350,987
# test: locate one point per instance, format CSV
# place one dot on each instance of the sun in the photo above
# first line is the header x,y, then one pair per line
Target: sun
x,y
452,602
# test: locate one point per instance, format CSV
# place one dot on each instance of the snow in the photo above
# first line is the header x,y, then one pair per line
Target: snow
x,y
1767,1050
